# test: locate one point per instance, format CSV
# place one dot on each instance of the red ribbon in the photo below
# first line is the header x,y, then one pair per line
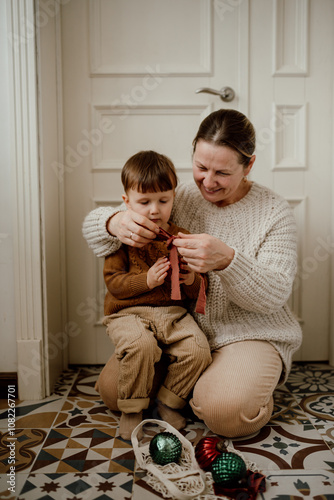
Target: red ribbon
x,y
174,263
248,488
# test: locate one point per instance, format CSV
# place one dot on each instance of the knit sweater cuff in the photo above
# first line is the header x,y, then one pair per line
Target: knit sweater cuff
x,y
237,271
95,232
138,284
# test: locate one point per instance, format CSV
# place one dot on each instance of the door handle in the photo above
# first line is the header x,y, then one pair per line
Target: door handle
x,y
226,93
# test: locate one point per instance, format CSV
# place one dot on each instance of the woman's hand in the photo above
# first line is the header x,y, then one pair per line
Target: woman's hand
x,y
203,252
132,229
156,275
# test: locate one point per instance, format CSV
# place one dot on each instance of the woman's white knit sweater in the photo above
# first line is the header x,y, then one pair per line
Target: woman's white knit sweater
x,y
247,300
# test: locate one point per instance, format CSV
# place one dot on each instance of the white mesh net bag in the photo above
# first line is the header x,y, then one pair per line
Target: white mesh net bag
x,y
184,480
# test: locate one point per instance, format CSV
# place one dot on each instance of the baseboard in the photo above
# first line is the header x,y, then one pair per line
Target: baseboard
x,y
8,379
30,369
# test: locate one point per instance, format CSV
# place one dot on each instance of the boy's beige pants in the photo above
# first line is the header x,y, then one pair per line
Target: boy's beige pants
x,y
234,396
140,335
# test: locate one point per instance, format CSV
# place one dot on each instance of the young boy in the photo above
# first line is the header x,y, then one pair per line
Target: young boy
x,y
141,317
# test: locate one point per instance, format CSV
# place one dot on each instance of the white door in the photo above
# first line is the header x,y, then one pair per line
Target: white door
x,y
291,106
130,72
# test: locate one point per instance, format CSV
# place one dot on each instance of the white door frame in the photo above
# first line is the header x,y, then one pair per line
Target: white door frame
x,y
28,265
41,346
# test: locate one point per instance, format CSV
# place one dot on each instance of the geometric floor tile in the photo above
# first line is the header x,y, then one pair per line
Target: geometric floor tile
x,y
122,457
33,413
65,382
326,431
23,447
84,385
10,491
77,412
299,484
286,410
319,408
76,450
98,486
68,446
310,379
287,447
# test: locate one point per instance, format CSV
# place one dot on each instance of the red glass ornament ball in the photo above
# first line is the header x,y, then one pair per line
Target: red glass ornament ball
x,y
207,450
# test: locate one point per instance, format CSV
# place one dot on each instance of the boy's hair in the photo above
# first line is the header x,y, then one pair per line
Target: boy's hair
x,y
149,172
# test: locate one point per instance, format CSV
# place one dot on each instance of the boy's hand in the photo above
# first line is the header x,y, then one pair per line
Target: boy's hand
x,y
187,275
156,275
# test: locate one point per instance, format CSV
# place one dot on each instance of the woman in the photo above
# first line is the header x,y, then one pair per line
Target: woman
x,y
244,237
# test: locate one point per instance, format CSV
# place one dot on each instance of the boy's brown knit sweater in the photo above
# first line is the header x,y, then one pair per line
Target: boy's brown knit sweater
x,y
125,275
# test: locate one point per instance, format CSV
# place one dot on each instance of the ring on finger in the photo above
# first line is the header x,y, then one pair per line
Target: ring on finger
x,y
131,235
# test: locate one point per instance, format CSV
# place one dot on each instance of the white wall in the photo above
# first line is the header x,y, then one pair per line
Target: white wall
x,y
8,357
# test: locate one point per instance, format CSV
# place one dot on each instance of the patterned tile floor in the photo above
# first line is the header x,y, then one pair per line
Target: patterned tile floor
x,y
67,446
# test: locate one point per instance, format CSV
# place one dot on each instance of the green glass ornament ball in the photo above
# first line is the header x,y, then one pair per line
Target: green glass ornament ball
x,y
165,448
228,468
